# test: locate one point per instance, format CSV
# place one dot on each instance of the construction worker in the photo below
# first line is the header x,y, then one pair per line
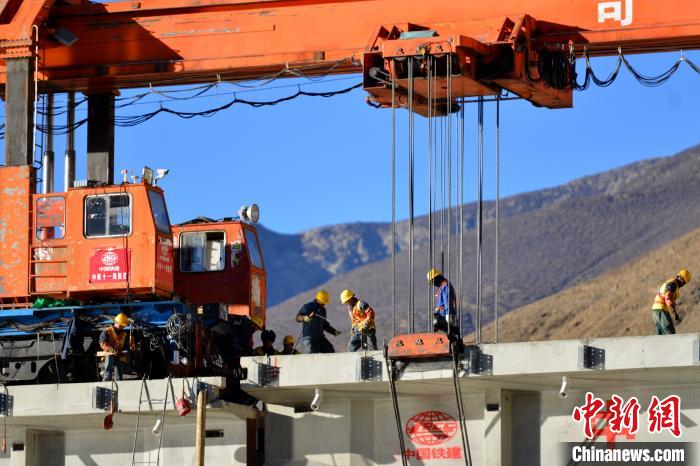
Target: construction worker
x,y
363,331
313,317
112,341
266,349
665,303
288,345
445,316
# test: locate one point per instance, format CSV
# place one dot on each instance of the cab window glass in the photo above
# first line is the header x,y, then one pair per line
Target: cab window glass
x,y
50,217
251,241
202,251
160,213
107,215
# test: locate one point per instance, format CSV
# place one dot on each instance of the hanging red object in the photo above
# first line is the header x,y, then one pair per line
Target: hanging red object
x,y
183,407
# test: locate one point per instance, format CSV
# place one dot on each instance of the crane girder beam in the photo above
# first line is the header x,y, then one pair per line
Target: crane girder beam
x,y
137,43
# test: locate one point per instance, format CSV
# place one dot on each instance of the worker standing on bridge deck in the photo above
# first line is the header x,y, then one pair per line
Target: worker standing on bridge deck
x,y
364,332
665,303
112,341
267,349
313,317
445,317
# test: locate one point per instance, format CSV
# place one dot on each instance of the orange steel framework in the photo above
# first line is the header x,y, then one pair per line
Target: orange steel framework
x,y
137,43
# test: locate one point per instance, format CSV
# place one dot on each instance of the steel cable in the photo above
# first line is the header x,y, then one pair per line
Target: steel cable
x,y
430,186
479,214
448,305
393,199
461,223
411,290
498,214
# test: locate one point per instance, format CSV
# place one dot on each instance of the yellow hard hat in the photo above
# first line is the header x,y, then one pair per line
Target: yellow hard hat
x,y
685,275
346,295
288,340
122,319
257,321
432,273
323,297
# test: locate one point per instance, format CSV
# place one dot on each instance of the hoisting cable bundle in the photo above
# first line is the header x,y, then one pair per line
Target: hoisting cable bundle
x,y
447,176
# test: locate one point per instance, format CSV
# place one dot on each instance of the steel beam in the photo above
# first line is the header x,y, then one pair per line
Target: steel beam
x,y
100,138
19,108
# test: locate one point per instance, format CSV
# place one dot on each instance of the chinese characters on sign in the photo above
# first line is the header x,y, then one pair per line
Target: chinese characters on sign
x,y
164,259
432,428
434,453
109,265
622,418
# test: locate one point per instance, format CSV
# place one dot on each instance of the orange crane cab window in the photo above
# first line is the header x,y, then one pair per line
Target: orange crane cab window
x,y
107,215
202,251
50,217
160,213
251,240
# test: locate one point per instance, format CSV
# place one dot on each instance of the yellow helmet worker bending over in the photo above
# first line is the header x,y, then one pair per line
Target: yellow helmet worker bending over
x,y
665,303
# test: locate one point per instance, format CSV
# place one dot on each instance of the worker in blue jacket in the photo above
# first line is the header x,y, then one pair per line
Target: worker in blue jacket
x,y
445,316
313,316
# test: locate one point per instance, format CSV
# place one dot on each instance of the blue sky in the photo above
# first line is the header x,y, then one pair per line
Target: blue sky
x,y
315,161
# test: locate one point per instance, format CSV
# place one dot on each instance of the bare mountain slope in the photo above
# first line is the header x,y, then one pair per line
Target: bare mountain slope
x,y
298,262
582,232
616,303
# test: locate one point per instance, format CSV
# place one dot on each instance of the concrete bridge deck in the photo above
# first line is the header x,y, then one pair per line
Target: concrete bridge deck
x,y
514,414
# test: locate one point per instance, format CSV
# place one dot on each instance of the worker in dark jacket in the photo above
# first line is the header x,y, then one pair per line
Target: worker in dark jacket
x,y
363,328
315,323
445,316
112,342
665,303
268,340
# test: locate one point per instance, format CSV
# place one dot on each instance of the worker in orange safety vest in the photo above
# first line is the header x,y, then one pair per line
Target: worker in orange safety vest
x,y
364,334
665,303
112,342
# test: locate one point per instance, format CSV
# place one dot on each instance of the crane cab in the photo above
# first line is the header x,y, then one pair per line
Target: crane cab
x,y
100,243
220,263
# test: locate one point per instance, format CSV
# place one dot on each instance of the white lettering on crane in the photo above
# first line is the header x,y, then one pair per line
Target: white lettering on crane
x,y
613,11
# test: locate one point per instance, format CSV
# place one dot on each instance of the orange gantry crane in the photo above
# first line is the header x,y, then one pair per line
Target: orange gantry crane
x,y
98,48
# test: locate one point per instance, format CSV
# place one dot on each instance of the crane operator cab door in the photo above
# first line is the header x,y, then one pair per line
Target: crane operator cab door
x,y
221,264
98,244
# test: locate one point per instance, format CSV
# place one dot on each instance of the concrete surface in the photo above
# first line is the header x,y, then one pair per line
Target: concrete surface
x,y
514,414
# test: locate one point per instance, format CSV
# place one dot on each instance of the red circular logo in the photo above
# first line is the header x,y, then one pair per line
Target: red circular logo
x,y
431,428
110,258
